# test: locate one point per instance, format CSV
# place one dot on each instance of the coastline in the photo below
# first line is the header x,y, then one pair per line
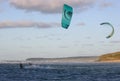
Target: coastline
x,y
88,59
68,60
57,62
111,61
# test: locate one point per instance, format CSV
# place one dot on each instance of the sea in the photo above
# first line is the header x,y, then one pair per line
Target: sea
x,y
61,72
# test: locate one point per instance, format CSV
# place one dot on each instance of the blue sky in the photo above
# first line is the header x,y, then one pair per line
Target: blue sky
x,y
31,28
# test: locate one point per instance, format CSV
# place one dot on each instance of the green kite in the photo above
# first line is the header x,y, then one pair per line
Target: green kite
x,y
66,16
107,23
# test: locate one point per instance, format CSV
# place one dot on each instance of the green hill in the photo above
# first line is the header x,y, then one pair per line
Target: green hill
x,y
110,57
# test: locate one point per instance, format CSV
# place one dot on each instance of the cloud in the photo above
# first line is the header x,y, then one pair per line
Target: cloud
x,y
81,24
50,6
63,47
1,10
106,4
1,1
114,41
88,37
87,44
14,24
24,47
108,45
101,41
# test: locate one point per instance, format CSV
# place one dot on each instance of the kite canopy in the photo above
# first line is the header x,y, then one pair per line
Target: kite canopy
x,y
107,23
66,16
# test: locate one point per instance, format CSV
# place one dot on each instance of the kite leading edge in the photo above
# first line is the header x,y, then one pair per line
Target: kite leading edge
x,y
107,23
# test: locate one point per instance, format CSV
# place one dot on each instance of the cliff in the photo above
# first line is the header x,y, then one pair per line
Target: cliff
x,y
111,57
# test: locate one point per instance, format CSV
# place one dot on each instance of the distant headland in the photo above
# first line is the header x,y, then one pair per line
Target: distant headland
x,y
64,59
111,57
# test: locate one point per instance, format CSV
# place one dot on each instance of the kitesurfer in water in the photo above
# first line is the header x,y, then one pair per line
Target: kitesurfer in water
x,y
21,66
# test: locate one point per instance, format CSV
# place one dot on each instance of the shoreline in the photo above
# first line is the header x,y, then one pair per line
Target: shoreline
x,y
67,60
58,62
111,61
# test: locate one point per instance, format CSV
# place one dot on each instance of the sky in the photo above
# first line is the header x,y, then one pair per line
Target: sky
x,y
32,28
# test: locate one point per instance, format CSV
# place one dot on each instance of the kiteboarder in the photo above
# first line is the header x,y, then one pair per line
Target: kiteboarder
x,y
21,66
